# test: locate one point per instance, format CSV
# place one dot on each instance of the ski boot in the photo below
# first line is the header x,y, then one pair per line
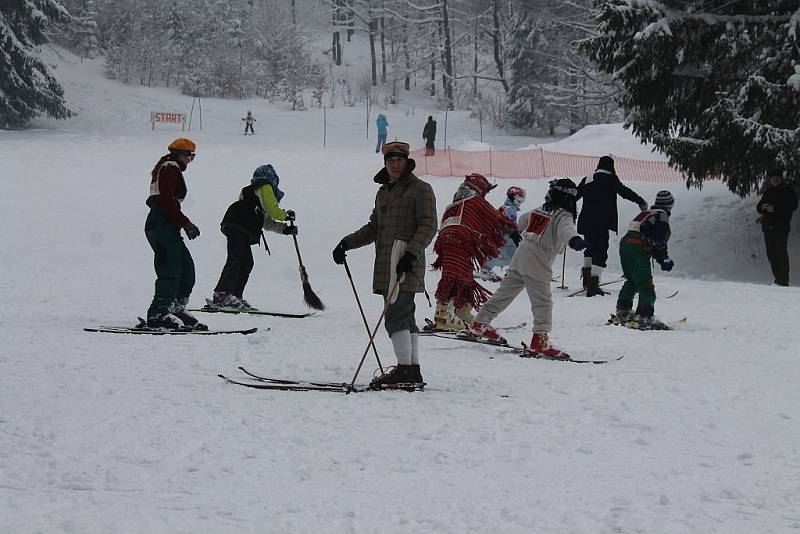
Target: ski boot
x,y
541,347
398,376
246,305
166,321
485,332
444,320
188,319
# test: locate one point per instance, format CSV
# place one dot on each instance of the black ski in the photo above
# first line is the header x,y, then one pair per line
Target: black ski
x,y
430,323
521,351
583,289
236,311
280,384
633,325
166,332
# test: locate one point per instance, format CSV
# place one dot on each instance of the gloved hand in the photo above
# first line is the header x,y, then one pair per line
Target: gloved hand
x,y
340,253
667,264
289,215
191,230
643,206
405,264
289,229
577,243
516,237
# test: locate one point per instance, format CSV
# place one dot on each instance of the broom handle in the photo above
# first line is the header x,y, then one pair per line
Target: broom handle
x,y
361,309
297,249
375,330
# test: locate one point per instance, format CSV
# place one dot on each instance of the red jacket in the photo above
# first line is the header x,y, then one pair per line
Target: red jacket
x,y
168,188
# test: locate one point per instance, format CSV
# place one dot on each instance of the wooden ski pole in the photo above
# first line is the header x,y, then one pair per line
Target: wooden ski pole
x,y
375,330
363,317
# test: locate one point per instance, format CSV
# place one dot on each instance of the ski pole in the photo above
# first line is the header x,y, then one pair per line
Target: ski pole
x,y
375,330
361,309
563,268
265,243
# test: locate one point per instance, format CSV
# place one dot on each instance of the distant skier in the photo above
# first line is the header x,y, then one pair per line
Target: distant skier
x,y
256,209
647,237
173,262
598,216
248,123
515,196
471,231
776,207
545,231
429,134
381,124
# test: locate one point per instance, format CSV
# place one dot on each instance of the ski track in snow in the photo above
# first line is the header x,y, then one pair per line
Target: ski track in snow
x,y
694,430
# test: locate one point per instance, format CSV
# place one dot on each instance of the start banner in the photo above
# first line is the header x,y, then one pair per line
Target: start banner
x,y
168,117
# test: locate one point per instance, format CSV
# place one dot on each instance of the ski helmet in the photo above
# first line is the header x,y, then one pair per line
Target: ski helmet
x,y
479,183
562,194
515,191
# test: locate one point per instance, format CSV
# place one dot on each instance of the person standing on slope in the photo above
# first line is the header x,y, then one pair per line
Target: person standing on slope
x,y
598,216
248,123
173,262
545,231
515,196
429,134
776,207
647,237
472,230
256,209
381,123
402,225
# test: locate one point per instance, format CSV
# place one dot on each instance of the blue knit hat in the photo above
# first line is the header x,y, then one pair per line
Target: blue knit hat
x,y
265,174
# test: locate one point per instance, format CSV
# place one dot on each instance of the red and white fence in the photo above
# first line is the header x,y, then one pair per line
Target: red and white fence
x,y
537,163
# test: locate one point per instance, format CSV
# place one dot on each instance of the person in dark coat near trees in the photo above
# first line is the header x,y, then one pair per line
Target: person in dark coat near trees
x,y
598,216
776,207
402,224
429,134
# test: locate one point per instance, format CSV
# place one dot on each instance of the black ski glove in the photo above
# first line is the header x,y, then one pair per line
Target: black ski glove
x,y
340,253
289,229
289,215
405,264
191,230
577,243
667,264
516,237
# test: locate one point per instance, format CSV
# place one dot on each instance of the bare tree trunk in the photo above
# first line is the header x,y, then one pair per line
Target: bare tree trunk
x,y
294,13
447,74
383,46
433,76
497,46
406,56
475,62
373,23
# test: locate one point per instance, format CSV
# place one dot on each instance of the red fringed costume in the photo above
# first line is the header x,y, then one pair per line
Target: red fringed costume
x,y
471,231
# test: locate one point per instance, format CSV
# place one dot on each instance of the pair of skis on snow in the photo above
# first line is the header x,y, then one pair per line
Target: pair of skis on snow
x,y
256,381
142,327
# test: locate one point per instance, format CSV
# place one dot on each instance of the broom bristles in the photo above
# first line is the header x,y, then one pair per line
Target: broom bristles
x,y
311,299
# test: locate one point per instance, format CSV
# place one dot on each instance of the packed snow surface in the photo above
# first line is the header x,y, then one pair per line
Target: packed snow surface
x,y
694,430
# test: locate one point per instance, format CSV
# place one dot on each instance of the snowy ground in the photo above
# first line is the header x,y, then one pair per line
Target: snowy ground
x,y
693,431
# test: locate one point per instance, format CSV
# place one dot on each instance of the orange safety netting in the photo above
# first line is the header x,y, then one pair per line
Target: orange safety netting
x,y
537,163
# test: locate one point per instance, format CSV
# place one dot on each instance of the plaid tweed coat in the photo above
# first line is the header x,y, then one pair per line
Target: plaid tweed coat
x,y
406,211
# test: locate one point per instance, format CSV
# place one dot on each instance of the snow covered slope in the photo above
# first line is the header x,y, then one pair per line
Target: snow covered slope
x,y
692,431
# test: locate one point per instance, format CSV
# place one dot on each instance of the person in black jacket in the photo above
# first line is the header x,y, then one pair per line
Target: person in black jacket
x,y
429,134
776,207
256,209
598,216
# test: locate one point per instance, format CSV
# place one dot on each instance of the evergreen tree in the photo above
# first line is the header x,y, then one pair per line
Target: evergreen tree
x,y
712,83
27,87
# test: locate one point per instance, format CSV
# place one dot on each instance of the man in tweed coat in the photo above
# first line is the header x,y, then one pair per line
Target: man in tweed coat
x,y
402,224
